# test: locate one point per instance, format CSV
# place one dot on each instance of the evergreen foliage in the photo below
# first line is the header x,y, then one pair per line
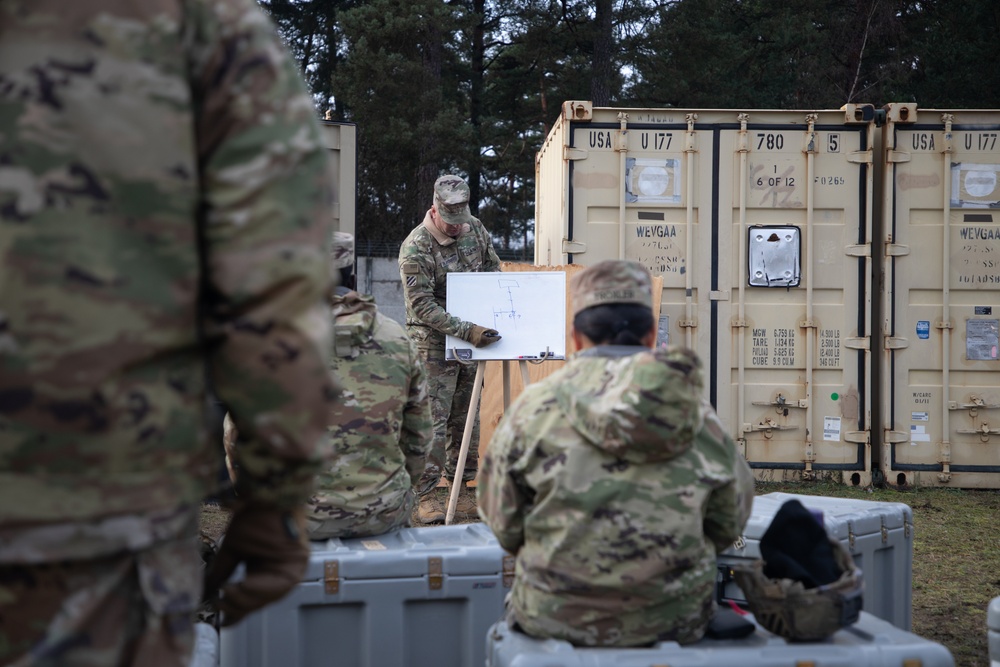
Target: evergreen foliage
x,y
472,86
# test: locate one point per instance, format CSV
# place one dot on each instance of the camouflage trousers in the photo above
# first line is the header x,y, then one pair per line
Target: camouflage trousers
x,y
124,609
450,386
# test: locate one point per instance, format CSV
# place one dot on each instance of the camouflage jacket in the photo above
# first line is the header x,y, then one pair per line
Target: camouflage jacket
x,y
163,207
426,257
615,485
381,432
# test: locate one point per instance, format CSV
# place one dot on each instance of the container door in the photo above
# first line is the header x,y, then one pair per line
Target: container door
x,y
941,323
794,291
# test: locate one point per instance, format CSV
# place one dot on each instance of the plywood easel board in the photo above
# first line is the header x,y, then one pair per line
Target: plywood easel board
x,y
527,308
491,404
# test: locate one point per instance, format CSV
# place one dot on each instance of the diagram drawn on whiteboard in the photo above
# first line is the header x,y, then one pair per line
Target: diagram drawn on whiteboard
x,y
527,308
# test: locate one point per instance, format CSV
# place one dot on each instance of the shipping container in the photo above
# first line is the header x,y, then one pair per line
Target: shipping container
x,y
940,297
759,223
342,141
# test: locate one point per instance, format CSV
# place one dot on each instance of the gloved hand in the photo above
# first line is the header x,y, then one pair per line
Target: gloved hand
x,y
481,336
272,543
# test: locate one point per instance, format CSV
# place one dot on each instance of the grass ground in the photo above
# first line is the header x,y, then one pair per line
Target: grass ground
x,y
956,557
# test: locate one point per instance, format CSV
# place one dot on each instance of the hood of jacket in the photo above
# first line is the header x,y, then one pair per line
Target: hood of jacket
x,y
634,403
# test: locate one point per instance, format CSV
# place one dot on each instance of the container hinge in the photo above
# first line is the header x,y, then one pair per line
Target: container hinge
x,y
895,343
573,247
894,156
688,324
435,573
896,250
858,250
860,157
906,529
944,325
850,535
509,568
331,577
885,532
895,437
570,153
864,343
719,295
857,437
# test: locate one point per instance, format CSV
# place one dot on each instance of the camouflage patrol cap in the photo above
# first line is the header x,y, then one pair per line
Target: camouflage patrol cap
x,y
451,197
341,250
611,281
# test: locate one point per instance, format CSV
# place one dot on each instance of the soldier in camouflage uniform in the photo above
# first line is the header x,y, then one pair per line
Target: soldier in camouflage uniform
x,y
448,240
163,208
381,431
613,482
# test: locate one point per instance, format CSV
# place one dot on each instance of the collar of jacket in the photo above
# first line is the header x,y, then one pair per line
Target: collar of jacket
x,y
439,236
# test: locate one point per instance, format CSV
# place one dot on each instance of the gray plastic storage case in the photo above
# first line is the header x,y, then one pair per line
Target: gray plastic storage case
x,y
871,642
879,536
417,596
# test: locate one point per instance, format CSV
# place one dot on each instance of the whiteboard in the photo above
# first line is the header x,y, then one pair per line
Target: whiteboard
x,y
527,308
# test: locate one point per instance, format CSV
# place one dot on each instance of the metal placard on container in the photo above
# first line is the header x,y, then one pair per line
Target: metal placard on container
x,y
775,256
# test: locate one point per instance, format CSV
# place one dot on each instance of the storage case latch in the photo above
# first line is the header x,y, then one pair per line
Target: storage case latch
x,y
435,573
509,567
331,577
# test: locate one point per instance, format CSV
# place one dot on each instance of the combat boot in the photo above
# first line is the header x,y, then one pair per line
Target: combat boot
x,y
429,511
466,508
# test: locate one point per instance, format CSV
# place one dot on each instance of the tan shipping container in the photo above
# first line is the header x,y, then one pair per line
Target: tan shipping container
x,y
342,140
759,223
940,310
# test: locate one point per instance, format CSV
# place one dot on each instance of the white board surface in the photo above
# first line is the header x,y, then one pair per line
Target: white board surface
x,y
527,308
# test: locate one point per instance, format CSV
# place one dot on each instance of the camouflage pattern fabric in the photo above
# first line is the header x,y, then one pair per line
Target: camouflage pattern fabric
x,y
380,432
615,485
121,609
163,205
163,224
450,385
426,257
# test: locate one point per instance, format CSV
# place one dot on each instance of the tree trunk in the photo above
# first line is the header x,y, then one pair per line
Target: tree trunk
x,y
602,74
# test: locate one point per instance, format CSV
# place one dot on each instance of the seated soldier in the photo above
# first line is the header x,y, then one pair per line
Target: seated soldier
x,y
381,430
613,481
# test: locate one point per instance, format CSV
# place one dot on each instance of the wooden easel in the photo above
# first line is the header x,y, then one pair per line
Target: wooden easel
x,y
463,453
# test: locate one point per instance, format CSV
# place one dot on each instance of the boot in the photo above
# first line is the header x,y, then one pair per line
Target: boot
x,y
429,511
466,507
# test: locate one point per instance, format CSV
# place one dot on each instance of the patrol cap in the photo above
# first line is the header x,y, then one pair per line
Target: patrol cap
x,y
611,281
451,197
341,250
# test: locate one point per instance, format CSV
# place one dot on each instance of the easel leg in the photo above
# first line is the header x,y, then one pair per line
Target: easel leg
x,y
457,484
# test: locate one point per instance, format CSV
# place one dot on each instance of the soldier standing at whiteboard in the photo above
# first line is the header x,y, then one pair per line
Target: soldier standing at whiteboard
x,y
449,239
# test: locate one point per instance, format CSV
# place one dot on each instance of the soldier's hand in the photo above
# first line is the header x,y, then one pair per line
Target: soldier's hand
x,y
272,544
481,336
